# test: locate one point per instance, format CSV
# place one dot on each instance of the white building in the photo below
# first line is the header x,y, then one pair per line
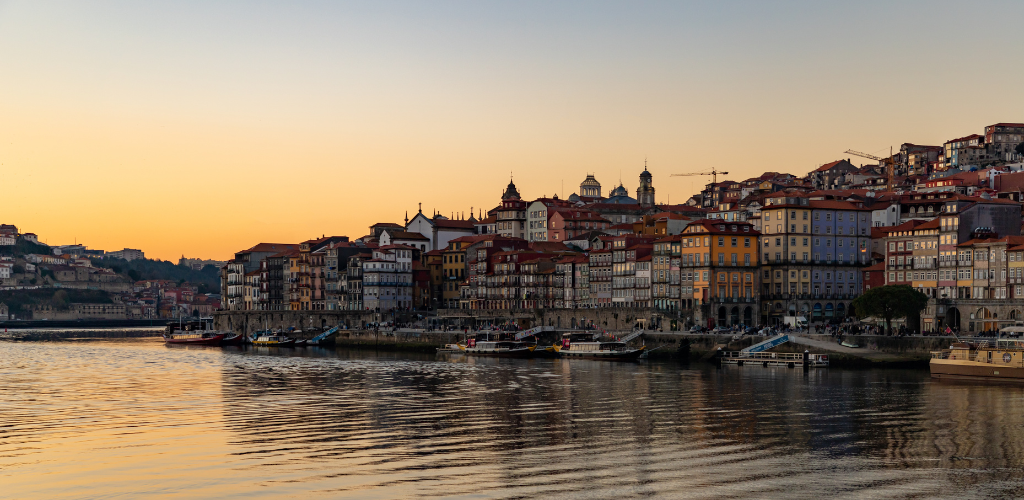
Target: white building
x,y
387,279
439,230
538,217
127,254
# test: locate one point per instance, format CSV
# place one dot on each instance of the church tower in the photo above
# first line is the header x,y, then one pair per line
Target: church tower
x,y
645,193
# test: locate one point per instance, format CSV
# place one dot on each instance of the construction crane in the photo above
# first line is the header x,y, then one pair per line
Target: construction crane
x,y
713,173
890,168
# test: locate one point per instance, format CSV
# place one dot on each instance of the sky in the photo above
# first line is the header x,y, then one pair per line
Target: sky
x,y
203,128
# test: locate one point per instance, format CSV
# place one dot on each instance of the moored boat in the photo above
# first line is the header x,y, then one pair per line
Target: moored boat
x,y
999,360
273,340
233,339
497,348
450,349
587,345
194,338
193,333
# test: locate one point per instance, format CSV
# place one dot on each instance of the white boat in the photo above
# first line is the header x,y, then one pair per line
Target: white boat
x,y
587,345
499,348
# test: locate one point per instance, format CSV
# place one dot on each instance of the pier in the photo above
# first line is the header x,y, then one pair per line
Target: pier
x,y
766,359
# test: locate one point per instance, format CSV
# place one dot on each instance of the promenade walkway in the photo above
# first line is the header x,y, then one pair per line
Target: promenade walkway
x,y
862,352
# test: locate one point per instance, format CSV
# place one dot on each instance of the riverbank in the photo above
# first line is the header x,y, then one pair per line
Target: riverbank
x,y
58,334
875,351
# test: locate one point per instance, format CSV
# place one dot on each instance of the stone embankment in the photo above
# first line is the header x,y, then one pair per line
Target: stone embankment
x,y
38,334
875,351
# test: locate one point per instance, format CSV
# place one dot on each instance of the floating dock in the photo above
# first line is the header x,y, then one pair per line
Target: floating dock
x,y
787,359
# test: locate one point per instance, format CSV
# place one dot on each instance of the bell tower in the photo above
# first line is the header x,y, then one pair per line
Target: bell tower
x,y
645,193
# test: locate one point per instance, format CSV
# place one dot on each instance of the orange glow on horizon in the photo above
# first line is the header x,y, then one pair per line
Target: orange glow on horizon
x,y
186,130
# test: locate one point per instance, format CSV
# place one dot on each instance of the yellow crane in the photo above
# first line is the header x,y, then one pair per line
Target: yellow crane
x,y
890,165
713,173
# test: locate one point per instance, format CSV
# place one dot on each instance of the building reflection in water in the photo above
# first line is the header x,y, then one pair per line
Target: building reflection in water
x,y
504,427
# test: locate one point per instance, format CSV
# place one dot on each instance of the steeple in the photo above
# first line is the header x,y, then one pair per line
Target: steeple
x,y
645,193
511,193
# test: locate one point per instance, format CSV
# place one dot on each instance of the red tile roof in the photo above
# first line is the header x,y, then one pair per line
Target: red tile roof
x,y
271,247
455,224
827,166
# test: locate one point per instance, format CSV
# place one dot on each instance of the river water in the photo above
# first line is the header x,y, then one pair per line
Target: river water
x,y
134,418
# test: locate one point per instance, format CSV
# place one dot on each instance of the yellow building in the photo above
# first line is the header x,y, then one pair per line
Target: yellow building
x,y
454,270
722,259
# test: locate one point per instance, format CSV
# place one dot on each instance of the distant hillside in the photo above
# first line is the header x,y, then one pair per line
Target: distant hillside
x,y
24,247
208,279
59,298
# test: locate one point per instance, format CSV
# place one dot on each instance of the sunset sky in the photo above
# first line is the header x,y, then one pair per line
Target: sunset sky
x,y
202,128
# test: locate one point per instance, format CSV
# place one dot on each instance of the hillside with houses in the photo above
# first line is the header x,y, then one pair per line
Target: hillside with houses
x,y
72,282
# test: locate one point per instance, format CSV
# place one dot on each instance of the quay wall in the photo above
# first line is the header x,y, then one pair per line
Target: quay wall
x,y
609,319
906,351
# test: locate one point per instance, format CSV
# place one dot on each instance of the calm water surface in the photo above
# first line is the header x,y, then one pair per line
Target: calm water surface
x,y
133,418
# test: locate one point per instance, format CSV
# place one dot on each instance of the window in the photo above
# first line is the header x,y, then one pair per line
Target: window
x,y
746,242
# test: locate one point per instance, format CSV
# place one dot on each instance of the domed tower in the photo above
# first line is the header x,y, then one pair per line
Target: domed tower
x,y
590,187
511,193
645,193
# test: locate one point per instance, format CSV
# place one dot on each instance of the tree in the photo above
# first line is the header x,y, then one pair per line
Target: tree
x,y
134,275
60,300
889,303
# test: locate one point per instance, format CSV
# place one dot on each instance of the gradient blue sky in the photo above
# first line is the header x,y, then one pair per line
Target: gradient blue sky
x,y
204,127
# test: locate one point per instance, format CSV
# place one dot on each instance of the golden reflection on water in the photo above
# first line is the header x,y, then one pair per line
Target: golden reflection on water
x,y
135,418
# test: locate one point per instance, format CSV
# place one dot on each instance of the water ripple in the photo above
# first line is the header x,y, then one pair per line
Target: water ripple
x,y
130,418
